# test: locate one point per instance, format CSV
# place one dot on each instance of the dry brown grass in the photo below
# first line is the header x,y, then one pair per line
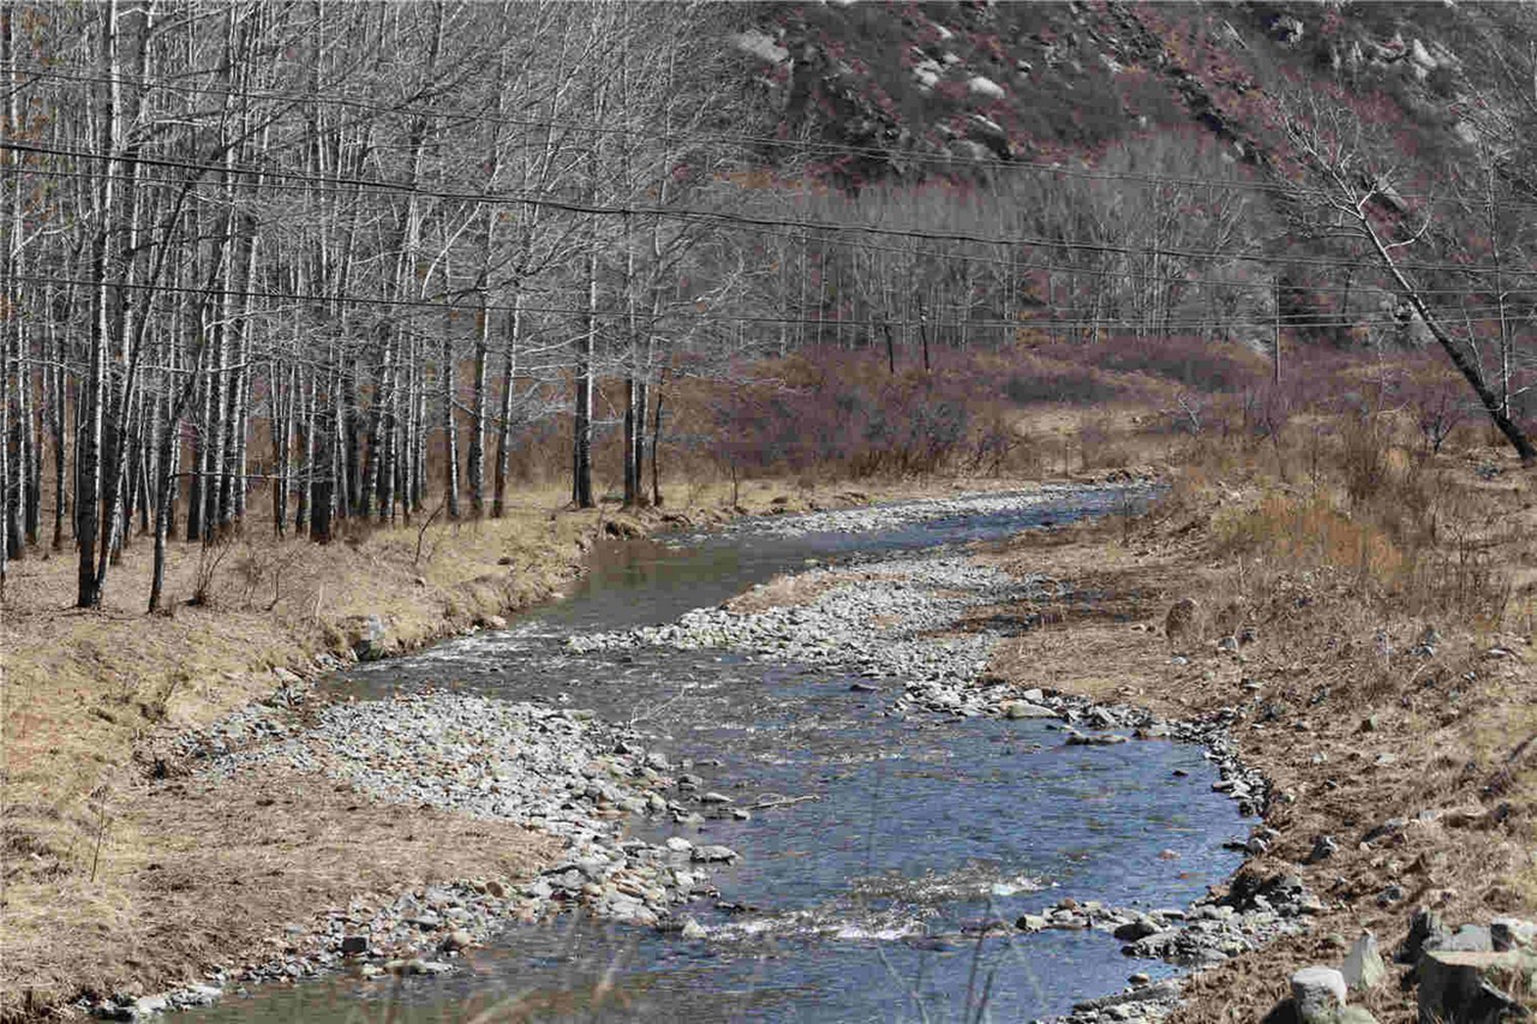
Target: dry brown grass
x,y
1349,718
790,591
194,875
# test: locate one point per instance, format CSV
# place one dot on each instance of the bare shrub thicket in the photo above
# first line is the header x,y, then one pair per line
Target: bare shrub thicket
x,y
1389,522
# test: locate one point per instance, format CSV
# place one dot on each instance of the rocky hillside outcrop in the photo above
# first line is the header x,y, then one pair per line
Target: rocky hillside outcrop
x,y
1015,96
919,86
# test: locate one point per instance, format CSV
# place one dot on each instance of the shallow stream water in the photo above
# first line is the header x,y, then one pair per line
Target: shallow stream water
x,y
863,900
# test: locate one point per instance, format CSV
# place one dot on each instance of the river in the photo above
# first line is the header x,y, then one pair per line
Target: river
x,y
875,895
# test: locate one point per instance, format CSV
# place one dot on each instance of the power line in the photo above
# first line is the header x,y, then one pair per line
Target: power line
x,y
717,216
1105,322
1015,265
830,148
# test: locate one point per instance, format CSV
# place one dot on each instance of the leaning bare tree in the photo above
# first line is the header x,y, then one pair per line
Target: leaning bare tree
x,y
1353,190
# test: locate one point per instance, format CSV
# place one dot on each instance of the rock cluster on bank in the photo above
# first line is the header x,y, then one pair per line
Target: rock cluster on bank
x,y
557,770
1249,915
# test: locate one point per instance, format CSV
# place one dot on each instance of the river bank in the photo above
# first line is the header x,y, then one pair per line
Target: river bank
x,y
1071,623
118,887
105,886
1391,728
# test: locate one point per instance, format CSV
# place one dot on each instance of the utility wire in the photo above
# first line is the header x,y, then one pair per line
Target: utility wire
x,y
1127,322
695,138
548,201
820,240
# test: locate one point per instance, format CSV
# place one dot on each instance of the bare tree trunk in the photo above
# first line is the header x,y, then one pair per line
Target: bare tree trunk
x,y
637,438
477,453
88,493
57,412
581,477
631,470
504,417
24,526
306,469
1320,135
450,431
656,441
232,484
202,451
165,485
352,469
148,451
1465,366
13,342
6,497
281,420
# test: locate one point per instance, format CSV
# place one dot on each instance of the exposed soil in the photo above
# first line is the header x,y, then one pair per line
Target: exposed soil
x,y
1354,717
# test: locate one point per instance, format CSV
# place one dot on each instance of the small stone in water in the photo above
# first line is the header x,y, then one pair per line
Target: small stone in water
x,y
707,854
457,939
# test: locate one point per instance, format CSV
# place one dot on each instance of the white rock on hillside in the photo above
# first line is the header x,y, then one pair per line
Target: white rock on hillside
x,y
1317,992
980,86
761,46
1363,967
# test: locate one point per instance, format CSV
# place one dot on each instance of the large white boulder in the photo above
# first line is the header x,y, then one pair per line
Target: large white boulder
x,y
986,87
761,46
1317,993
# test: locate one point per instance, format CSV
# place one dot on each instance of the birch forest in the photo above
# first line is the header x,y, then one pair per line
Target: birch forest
x,y
334,254
335,257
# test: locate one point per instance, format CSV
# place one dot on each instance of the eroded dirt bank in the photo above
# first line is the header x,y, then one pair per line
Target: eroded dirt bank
x,y
1394,739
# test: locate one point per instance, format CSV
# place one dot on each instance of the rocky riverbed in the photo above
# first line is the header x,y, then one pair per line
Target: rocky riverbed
x,y
903,622
559,771
914,632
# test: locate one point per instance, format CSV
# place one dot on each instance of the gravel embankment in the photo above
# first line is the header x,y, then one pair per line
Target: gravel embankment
x,y
556,770
895,618
877,518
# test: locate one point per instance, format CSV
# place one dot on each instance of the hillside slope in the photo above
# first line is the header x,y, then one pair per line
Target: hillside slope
x,y
1120,111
